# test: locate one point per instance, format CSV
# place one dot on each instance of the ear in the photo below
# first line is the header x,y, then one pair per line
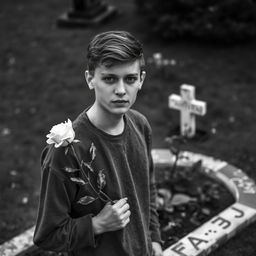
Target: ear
x,y
142,78
89,78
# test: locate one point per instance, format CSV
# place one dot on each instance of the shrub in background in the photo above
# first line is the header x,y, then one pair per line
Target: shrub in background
x,y
225,20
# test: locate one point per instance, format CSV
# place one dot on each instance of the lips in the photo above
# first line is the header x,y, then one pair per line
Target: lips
x,y
120,101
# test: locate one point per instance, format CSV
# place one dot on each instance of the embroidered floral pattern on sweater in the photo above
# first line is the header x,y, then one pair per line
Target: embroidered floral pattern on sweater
x,y
63,135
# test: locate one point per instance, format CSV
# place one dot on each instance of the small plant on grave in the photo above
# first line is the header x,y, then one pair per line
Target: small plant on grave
x,y
175,144
188,198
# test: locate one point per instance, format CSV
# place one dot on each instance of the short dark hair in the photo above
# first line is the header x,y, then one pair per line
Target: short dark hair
x,y
113,47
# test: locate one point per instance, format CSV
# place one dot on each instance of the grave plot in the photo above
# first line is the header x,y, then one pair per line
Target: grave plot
x,y
226,223
187,198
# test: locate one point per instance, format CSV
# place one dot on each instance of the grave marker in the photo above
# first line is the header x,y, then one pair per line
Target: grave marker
x,y
85,13
189,107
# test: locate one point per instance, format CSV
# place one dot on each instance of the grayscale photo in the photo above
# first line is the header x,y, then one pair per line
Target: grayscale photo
x,y
127,128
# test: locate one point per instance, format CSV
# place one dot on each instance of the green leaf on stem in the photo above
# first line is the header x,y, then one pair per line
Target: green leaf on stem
x,y
86,200
88,166
93,151
78,181
70,169
66,150
101,180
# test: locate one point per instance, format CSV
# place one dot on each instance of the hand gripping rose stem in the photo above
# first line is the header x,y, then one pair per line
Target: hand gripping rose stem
x,y
108,199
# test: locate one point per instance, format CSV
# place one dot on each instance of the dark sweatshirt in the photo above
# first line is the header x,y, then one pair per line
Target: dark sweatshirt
x,y
64,225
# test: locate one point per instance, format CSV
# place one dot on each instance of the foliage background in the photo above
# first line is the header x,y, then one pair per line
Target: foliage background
x,y
226,21
41,84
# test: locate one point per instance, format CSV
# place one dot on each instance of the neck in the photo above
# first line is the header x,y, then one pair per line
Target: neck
x,y
111,124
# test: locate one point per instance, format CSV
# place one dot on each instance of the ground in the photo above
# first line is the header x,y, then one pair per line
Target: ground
x,y
42,84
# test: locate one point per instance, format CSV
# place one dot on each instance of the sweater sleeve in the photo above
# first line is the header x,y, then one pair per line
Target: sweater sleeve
x,y
154,221
55,229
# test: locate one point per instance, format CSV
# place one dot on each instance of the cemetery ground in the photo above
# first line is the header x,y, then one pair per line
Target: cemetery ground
x,y
42,84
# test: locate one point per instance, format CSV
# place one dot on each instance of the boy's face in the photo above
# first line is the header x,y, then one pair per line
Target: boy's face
x,y
116,87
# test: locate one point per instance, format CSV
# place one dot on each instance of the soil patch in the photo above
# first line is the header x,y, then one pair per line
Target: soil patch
x,y
187,200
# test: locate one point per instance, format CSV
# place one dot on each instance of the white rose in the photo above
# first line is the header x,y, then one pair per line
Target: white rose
x,y
61,134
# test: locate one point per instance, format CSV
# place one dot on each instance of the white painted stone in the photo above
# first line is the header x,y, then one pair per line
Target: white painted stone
x,y
208,162
189,107
211,234
162,156
18,244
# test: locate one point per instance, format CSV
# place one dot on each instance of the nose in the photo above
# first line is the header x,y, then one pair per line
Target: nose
x,y
120,88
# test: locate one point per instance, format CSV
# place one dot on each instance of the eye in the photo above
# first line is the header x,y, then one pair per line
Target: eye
x,y
131,79
109,79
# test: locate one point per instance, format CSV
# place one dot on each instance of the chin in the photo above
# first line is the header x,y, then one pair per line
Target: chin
x,y
119,111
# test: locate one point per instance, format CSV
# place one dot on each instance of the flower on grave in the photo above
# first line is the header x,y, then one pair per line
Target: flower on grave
x,y
63,135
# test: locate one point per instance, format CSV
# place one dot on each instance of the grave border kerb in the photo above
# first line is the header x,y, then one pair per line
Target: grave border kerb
x,y
229,222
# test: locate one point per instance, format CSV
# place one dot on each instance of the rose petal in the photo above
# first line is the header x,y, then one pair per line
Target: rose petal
x,y
61,134
50,141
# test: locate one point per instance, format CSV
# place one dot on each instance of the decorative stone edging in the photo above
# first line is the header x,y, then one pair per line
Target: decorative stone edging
x,y
207,237
18,244
226,224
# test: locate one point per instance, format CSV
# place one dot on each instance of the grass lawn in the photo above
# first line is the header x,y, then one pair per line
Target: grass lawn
x,y
42,84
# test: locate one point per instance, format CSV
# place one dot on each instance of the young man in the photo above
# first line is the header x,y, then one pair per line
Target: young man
x,y
118,216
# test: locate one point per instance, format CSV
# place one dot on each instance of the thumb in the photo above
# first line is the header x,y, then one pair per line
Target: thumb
x,y
108,203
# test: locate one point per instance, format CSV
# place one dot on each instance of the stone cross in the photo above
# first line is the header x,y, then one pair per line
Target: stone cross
x,y
189,107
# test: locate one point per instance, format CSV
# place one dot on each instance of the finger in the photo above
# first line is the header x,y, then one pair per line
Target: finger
x,y
126,215
124,208
120,203
107,205
125,222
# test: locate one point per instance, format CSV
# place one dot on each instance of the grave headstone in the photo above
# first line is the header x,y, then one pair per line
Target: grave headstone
x,y
86,13
189,108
